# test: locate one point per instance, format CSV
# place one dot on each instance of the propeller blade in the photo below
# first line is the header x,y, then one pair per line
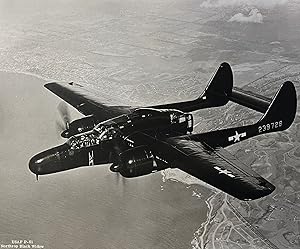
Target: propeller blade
x,y
123,179
116,177
60,128
65,114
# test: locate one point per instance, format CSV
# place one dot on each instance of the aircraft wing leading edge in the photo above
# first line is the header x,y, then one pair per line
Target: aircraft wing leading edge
x,y
85,102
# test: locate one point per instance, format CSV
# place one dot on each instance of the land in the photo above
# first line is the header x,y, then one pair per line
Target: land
x,y
144,53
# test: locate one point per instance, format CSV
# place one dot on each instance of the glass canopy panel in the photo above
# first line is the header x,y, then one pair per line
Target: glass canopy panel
x,y
83,140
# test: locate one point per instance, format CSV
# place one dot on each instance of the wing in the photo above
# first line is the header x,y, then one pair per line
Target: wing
x,y
86,102
215,94
213,165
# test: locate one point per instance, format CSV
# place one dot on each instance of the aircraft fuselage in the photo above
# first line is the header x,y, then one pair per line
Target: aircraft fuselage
x,y
108,139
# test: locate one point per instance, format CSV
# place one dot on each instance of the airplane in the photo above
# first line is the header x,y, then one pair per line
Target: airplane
x,y
138,141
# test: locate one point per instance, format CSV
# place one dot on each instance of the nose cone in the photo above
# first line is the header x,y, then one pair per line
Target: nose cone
x,y
36,163
47,161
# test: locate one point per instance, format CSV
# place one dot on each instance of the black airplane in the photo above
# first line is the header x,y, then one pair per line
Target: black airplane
x,y
138,141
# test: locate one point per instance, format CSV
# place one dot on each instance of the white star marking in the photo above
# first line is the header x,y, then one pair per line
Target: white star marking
x,y
224,171
237,137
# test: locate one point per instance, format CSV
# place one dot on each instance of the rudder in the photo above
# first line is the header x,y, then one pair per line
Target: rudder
x,y
220,86
282,110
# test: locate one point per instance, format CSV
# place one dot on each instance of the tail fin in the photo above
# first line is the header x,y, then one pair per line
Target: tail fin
x,y
219,87
282,109
278,117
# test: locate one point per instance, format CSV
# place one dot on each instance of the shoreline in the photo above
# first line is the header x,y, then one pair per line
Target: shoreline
x,y
140,210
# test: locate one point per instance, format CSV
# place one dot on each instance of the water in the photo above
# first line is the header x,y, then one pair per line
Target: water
x,y
83,208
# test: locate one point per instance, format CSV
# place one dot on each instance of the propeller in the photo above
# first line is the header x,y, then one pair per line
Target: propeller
x,y
63,125
120,181
115,167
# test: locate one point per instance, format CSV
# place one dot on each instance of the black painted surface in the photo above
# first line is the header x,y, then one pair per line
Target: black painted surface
x,y
145,140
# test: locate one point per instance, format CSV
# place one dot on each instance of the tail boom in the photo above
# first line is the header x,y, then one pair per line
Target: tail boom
x,y
249,99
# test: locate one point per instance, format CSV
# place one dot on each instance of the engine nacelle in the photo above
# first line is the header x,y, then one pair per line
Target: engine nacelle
x,y
79,126
137,161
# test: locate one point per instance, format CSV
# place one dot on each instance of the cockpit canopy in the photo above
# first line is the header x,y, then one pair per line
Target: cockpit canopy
x,y
139,119
86,139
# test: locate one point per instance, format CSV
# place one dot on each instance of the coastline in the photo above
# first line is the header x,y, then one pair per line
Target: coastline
x,y
143,212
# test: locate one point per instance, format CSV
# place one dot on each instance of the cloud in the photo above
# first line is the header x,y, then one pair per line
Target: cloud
x,y
258,3
254,16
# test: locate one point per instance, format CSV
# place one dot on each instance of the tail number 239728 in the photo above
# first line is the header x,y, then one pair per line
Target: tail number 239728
x,y
270,126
